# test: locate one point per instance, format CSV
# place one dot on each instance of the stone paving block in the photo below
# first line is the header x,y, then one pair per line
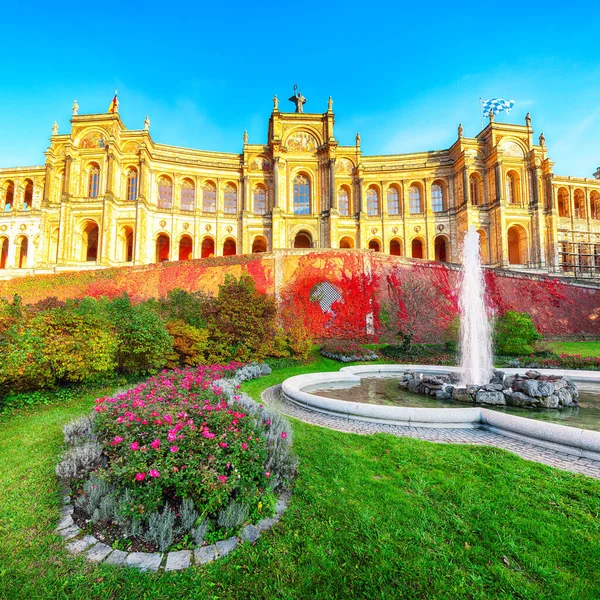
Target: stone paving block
x,y
66,510
250,534
178,560
117,557
205,554
226,546
267,523
98,552
78,546
65,522
69,532
144,561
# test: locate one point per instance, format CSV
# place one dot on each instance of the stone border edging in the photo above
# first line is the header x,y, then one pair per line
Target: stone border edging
x,y
96,551
570,440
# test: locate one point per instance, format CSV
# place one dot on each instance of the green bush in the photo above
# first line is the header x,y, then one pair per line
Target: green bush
x,y
515,334
451,335
192,309
143,342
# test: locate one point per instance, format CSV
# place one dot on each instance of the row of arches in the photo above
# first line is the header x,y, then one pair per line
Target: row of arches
x,y
22,244
578,209
186,245
187,200
9,195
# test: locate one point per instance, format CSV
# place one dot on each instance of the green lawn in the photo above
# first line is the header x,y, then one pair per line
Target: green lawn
x,y
370,517
582,348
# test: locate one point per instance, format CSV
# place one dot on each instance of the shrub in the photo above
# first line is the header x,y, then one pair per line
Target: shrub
x,y
143,342
192,309
451,335
515,333
184,449
346,351
79,431
78,462
190,344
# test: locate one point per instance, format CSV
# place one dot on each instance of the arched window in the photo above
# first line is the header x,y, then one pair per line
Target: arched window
x,y
396,247
579,204
260,201
483,247
343,202
393,201
374,245
441,249
23,247
9,198
417,248
229,247
209,198
512,188
163,248
90,242
346,242
188,195
128,244
563,202
185,247
517,245
3,252
474,189
165,193
303,240
301,195
259,244
208,248
437,198
132,185
94,181
415,202
595,205
372,202
28,197
230,200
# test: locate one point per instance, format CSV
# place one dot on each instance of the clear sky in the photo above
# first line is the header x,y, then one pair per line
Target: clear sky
x,y
403,75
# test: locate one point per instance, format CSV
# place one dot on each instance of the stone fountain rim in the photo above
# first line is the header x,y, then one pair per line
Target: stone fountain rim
x,y
571,440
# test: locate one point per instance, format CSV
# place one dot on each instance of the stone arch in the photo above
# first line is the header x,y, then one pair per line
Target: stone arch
x,y
347,242
441,246
186,247
303,239
517,245
229,247
91,138
396,248
579,204
3,251
595,205
562,201
126,237
9,195
207,249
163,247
22,243
375,244
512,147
90,235
28,194
483,247
417,248
299,139
415,198
259,244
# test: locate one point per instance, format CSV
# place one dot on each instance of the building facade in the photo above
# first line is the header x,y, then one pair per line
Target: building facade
x,y
109,196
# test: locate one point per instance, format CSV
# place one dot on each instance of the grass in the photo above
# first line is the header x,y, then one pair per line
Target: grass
x,y
582,348
370,517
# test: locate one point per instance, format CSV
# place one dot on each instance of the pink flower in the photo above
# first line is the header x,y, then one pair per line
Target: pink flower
x,y
284,435
118,439
244,446
140,476
153,473
134,446
267,474
222,478
174,448
155,444
223,444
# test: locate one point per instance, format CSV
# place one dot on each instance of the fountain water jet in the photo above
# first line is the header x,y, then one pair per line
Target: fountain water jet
x,y
475,331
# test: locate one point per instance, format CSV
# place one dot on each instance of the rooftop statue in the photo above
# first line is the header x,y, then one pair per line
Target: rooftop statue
x,y
298,99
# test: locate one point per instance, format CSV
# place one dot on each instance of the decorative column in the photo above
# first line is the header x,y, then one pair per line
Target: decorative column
x,y
332,194
276,182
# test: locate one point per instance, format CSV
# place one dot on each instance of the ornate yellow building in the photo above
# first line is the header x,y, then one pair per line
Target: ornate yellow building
x,y
109,196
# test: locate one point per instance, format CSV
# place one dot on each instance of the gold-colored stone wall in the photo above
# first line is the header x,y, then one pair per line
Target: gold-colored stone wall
x,y
500,182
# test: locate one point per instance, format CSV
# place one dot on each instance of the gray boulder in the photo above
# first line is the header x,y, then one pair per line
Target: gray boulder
x,y
493,397
549,401
530,387
520,399
532,374
461,395
546,388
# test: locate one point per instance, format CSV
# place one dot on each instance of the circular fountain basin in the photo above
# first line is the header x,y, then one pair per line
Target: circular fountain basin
x,y
573,440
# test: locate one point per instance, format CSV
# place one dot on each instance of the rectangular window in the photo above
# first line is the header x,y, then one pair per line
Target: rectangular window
x,y
343,203
188,197
230,202
209,200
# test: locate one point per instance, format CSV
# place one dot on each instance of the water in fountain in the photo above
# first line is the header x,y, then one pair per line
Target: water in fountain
x,y
475,331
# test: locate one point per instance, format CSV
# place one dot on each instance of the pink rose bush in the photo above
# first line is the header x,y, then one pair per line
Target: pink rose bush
x,y
187,441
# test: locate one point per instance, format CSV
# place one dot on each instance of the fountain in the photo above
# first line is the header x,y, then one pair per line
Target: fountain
x,y
475,332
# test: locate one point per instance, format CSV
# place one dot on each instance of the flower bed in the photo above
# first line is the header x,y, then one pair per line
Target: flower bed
x,y
564,361
346,351
178,461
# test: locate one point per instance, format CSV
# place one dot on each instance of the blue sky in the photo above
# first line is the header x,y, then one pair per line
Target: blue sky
x,y
404,76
